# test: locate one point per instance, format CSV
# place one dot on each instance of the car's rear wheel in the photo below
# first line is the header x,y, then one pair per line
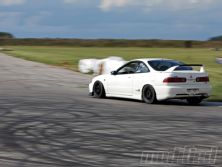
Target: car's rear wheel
x,y
98,90
194,100
149,94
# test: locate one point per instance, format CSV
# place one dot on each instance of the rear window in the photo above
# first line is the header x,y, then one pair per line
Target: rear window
x,y
163,65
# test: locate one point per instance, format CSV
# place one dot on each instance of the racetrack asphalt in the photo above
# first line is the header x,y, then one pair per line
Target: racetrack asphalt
x,y
47,119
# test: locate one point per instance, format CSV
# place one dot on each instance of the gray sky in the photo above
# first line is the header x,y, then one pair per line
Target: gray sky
x,y
130,19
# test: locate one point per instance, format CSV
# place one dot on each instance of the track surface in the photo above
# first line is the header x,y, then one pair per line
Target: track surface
x,y
48,120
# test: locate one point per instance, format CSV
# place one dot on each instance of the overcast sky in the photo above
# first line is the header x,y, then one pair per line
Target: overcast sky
x,y
130,19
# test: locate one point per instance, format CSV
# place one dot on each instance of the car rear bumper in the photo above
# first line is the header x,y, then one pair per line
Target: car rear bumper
x,y
179,92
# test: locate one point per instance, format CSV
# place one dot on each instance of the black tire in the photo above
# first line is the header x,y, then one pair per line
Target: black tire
x,y
149,94
194,100
98,90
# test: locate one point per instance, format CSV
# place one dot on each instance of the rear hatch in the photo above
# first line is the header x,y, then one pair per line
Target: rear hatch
x,y
187,77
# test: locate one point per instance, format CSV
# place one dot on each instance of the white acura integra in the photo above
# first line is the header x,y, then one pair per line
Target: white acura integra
x,y
153,80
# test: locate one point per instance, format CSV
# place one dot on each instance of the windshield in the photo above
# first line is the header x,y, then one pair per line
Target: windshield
x,y
163,65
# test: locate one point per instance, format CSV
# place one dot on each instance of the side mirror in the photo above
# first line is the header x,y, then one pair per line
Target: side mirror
x,y
114,73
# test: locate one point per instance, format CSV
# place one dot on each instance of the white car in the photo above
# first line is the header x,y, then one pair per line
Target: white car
x,y
153,80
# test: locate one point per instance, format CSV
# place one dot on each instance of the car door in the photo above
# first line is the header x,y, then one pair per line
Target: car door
x,y
140,77
121,83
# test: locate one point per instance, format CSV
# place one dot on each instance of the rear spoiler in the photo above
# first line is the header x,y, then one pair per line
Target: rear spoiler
x,y
191,65
202,69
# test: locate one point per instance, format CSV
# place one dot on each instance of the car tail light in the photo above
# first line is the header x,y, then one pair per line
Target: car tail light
x,y
203,79
174,80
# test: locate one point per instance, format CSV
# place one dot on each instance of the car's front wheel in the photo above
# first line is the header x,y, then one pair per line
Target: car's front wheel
x,y
149,94
194,100
98,90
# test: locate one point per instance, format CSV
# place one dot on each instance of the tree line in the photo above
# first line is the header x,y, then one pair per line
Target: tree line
x,y
9,39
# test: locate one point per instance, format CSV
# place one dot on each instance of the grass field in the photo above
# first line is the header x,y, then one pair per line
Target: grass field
x,y
68,57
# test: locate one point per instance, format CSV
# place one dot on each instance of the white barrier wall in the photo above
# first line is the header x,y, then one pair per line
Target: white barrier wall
x,y
100,66
219,60
87,65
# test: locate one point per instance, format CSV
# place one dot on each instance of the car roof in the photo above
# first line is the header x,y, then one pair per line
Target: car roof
x,y
150,59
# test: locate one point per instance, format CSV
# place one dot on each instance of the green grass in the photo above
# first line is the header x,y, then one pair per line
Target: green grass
x,y
68,57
